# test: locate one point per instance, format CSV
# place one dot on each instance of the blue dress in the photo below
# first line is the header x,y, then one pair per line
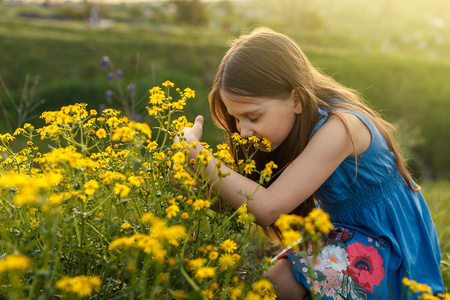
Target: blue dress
x,y
384,231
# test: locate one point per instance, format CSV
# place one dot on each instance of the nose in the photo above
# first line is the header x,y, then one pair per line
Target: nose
x,y
245,130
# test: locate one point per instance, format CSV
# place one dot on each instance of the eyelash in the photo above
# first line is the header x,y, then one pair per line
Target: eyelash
x,y
251,120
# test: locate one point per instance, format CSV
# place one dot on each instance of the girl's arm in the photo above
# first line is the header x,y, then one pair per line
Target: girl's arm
x,y
329,146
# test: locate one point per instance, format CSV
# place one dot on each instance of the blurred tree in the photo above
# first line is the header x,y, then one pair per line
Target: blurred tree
x,y
191,12
135,11
225,7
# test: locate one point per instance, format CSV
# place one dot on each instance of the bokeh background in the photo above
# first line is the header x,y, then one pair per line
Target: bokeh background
x,y
396,52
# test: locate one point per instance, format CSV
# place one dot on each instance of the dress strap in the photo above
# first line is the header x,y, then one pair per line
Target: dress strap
x,y
324,117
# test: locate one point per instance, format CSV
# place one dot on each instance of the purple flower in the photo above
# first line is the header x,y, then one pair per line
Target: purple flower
x,y
108,94
119,73
131,88
110,76
104,61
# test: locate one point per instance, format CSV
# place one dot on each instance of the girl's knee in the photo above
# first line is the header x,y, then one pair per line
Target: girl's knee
x,y
286,284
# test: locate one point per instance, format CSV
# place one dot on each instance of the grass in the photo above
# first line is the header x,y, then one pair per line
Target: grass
x,y
437,195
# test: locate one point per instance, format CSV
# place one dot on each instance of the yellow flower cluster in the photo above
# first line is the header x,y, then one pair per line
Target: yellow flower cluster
x,y
69,155
268,170
157,242
82,286
224,260
28,187
252,140
15,262
244,216
293,227
161,102
425,291
260,290
99,173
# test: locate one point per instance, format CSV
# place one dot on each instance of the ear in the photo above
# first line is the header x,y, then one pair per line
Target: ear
x,y
296,102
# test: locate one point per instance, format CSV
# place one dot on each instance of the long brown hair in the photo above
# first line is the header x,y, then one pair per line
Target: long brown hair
x,y
268,64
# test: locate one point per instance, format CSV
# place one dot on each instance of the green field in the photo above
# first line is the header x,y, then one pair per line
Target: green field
x,y
395,53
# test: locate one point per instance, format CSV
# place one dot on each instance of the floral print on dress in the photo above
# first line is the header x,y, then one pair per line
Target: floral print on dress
x,y
366,265
343,269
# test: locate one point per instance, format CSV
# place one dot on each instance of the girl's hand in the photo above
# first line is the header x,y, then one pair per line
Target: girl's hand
x,y
195,133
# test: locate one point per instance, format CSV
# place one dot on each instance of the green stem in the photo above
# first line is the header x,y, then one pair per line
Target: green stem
x,y
190,280
98,206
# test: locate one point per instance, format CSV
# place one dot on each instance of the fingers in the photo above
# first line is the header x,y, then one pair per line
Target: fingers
x,y
199,122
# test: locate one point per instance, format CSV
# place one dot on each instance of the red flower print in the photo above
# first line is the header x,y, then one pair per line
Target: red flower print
x,y
366,266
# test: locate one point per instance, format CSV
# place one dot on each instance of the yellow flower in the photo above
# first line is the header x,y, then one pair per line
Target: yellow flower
x,y
265,142
226,261
205,272
152,146
159,156
172,211
179,104
228,246
168,83
285,222
141,127
445,296
135,180
429,297
125,226
33,222
263,286
174,234
213,255
203,157
101,133
123,242
17,262
184,215
82,286
55,199
189,93
208,293
179,157
123,134
321,220
253,139
235,293
154,110
90,187
121,190
268,170
157,98
291,237
252,296
199,204
147,217
196,264
150,244
249,167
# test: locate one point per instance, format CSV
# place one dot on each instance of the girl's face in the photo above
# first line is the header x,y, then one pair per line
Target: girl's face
x,y
271,118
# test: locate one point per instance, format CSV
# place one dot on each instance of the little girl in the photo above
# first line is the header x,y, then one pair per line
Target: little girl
x,y
329,146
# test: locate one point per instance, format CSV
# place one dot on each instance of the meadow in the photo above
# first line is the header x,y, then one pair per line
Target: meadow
x,y
396,57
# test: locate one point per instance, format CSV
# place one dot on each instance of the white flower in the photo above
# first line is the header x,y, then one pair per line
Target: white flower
x,y
333,256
